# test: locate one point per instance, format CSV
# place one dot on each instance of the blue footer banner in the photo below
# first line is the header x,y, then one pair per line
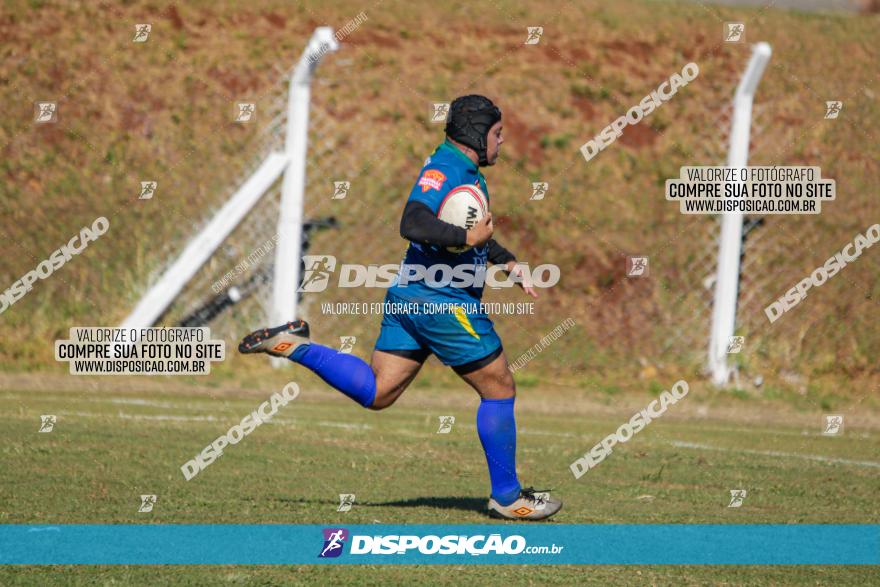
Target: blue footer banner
x,y
289,544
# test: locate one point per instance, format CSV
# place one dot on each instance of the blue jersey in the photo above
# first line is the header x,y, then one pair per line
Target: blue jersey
x,y
446,169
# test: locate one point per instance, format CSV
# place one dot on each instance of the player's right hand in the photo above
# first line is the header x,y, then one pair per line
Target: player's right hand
x,y
481,232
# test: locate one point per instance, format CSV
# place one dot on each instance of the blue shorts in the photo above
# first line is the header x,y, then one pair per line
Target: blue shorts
x,y
457,337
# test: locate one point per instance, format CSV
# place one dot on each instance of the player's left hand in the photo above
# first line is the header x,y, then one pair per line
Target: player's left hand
x,y
522,277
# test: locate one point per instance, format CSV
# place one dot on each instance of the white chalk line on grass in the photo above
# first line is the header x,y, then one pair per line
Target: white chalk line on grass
x,y
140,402
775,453
134,401
201,405
356,426
103,400
174,418
158,417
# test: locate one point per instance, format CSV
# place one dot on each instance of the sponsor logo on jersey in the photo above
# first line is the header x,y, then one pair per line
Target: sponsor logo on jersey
x,y
431,180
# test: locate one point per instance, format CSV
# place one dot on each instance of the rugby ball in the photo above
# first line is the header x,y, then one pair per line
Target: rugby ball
x,y
464,206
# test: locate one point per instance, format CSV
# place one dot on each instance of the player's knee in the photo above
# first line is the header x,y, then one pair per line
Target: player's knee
x,y
501,388
381,402
507,383
385,396
509,388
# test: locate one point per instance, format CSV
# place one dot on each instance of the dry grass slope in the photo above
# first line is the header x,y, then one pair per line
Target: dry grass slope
x,y
161,110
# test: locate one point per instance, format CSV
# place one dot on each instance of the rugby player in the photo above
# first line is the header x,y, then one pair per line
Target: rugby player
x,y
463,340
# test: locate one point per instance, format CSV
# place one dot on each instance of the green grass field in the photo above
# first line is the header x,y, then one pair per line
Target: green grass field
x,y
113,443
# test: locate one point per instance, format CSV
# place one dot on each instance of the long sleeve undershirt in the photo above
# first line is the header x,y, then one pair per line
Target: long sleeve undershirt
x,y
419,224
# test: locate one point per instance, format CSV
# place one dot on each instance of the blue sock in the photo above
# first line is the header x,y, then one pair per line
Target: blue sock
x,y
346,373
497,429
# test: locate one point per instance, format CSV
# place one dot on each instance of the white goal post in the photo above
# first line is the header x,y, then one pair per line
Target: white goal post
x,y
292,163
730,241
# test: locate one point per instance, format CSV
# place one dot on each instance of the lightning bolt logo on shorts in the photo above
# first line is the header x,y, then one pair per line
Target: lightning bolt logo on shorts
x,y
462,318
